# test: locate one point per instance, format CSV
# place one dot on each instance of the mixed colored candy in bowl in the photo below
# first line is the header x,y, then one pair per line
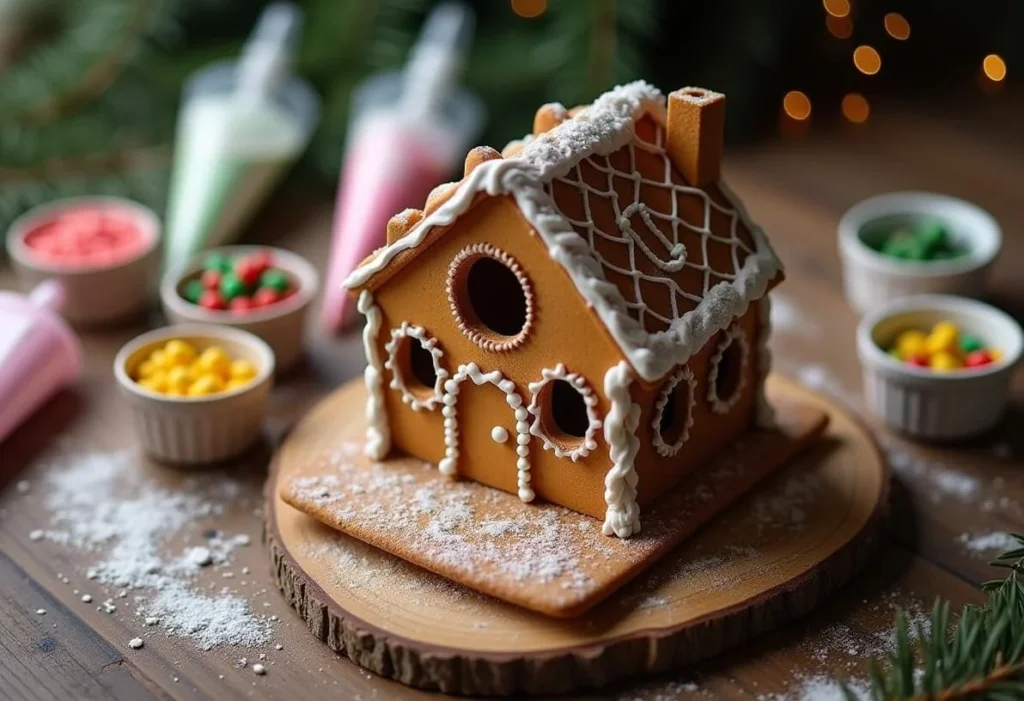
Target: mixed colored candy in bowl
x,y
943,348
179,369
239,283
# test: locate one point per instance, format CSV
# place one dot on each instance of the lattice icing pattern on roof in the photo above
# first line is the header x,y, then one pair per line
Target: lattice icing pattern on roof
x,y
663,243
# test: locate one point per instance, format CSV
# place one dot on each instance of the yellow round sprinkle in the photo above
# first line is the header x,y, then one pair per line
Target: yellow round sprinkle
x,y
944,361
205,385
180,377
174,392
995,354
911,343
214,359
943,338
179,352
146,369
235,383
158,358
242,370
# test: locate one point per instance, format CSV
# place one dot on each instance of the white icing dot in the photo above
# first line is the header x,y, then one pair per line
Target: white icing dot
x,y
523,450
499,434
522,414
522,439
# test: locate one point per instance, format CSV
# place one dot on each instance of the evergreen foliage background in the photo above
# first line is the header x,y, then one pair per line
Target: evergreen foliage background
x,y
89,88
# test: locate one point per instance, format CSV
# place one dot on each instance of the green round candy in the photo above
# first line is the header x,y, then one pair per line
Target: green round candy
x,y
931,233
970,343
217,262
231,286
193,290
274,279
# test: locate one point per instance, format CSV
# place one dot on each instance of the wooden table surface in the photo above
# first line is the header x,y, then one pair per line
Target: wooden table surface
x,y
796,188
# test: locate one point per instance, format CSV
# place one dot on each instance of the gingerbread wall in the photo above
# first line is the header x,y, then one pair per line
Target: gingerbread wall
x,y
564,331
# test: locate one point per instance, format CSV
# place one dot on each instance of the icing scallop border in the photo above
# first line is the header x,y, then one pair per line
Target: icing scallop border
x,y
622,517
734,334
478,250
579,383
471,371
378,433
600,129
429,344
658,441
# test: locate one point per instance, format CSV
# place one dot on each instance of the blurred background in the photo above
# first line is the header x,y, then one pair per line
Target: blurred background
x,y
89,88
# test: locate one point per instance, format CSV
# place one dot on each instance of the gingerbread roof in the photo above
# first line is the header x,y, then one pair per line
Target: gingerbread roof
x,y
663,264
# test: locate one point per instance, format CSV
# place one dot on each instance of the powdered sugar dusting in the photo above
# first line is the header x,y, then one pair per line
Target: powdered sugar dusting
x,y
101,503
996,542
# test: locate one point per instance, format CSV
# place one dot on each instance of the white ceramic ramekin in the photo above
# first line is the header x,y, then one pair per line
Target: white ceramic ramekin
x,y
872,279
932,405
281,325
95,295
197,430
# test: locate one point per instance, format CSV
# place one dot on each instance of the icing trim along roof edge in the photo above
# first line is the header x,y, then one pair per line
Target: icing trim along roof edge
x,y
600,129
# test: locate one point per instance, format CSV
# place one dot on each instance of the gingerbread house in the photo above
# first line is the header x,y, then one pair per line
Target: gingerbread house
x,y
581,319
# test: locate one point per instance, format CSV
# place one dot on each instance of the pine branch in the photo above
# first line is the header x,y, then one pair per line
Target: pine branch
x,y
981,657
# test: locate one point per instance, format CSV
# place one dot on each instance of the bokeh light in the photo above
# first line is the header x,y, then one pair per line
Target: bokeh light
x,y
837,8
797,105
994,67
897,26
839,27
855,108
529,8
867,60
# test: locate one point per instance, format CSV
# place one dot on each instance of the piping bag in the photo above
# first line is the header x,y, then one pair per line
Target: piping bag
x,y
242,125
408,131
39,353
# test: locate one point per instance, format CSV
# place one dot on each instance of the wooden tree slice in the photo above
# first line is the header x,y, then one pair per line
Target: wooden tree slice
x,y
770,558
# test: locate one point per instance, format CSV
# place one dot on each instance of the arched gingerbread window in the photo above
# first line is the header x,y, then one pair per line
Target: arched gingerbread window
x,y
728,372
416,363
490,297
673,412
564,409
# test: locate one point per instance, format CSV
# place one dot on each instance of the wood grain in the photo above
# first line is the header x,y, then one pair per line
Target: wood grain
x,y
796,189
700,599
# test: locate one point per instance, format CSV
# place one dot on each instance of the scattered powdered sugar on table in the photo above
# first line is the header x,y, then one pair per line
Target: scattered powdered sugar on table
x,y
786,505
100,503
995,542
820,687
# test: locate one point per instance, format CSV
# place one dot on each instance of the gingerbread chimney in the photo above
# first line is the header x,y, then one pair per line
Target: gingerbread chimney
x,y
695,133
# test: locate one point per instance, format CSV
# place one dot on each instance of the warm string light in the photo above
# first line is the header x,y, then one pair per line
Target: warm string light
x,y
529,8
837,8
796,105
867,60
994,68
897,26
855,108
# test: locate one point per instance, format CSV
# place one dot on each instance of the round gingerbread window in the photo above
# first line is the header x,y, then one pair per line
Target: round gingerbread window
x,y
728,375
416,363
673,412
490,297
564,409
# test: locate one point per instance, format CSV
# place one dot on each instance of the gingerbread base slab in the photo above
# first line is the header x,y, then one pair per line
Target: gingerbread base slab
x,y
769,558
543,557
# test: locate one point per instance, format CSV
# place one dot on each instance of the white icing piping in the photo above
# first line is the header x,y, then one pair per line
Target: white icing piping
x,y
378,434
583,448
622,517
429,344
765,412
602,128
722,405
487,341
448,463
663,448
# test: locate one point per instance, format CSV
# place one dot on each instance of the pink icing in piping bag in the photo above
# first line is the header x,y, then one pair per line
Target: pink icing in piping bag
x,y
409,129
39,354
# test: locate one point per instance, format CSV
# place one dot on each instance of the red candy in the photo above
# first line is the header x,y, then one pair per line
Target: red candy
x,y
265,296
260,260
920,361
977,359
240,304
211,279
211,299
248,272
